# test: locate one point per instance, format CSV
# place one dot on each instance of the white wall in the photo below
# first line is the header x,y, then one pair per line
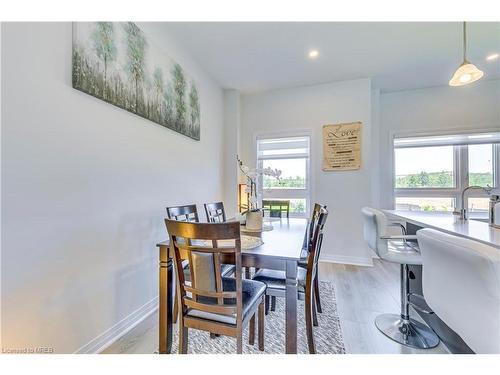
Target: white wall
x,y
84,190
232,124
375,150
438,109
309,108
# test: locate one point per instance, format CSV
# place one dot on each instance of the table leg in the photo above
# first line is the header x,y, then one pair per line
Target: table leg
x,y
165,308
291,307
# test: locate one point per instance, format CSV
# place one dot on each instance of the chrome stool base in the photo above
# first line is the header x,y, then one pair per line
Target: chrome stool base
x,y
406,332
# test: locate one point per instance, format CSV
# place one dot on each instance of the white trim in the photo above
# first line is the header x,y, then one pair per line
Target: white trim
x,y
496,165
347,259
430,133
447,140
111,335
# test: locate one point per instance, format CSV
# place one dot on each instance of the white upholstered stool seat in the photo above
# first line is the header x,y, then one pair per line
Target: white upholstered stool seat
x,y
402,253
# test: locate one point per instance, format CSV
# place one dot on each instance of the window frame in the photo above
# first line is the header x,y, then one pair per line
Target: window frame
x,y
285,193
461,174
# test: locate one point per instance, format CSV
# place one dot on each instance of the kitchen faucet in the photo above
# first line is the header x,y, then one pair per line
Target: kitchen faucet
x,y
463,210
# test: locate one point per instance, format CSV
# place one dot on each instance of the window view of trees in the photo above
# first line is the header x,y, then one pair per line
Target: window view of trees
x,y
293,174
296,182
114,62
425,179
298,206
442,179
425,204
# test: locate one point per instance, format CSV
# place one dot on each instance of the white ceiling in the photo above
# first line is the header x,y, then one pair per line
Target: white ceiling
x,y
257,56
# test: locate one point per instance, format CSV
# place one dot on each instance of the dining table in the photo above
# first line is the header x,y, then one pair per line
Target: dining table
x,y
281,249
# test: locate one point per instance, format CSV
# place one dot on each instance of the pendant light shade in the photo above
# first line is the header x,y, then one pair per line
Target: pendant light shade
x,y
467,72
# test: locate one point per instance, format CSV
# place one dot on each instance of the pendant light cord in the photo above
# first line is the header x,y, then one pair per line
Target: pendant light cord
x,y
465,42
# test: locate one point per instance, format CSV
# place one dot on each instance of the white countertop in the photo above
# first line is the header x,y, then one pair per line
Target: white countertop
x,y
446,222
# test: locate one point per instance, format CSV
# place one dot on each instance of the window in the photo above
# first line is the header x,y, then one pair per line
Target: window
x,y
481,165
290,156
425,167
431,172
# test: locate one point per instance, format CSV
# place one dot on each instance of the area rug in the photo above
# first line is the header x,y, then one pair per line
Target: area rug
x,y
327,336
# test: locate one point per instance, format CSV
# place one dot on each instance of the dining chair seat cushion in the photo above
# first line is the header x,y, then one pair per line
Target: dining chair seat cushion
x,y
277,279
252,296
402,253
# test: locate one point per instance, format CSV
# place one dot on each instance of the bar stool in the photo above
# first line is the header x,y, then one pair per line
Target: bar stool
x,y
461,283
397,249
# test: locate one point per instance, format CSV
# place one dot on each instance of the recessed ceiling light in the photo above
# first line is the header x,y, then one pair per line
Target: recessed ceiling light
x,y
492,57
313,53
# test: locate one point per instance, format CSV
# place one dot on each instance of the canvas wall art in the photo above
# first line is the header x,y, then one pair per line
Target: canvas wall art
x,y
115,62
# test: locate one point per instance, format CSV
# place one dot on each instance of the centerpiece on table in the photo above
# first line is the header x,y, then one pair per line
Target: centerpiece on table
x,y
254,214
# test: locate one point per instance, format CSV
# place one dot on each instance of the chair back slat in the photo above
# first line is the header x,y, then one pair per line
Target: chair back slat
x,y
214,308
183,213
218,268
208,293
203,271
215,212
200,244
205,249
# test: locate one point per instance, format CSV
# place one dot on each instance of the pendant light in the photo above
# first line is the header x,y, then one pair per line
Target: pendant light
x,y
467,72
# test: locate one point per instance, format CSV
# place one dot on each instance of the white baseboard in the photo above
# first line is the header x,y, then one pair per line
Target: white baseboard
x,y
112,334
348,259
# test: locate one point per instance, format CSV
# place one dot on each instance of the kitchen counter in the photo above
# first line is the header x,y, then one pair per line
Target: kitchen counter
x,y
446,222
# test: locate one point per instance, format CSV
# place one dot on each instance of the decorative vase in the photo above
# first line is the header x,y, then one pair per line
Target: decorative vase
x,y
254,220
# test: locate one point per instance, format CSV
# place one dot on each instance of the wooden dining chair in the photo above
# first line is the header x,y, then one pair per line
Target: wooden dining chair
x,y
318,208
209,301
183,213
215,212
189,213
305,253
276,280
276,207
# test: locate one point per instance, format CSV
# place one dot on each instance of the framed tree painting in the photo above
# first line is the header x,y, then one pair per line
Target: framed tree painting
x,y
115,62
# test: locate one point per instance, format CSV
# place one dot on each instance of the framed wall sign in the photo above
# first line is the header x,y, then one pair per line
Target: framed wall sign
x,y
342,146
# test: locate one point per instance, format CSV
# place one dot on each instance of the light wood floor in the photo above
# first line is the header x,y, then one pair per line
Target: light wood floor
x,y
361,292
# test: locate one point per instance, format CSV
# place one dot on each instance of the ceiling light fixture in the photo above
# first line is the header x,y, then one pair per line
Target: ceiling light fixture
x,y
467,72
313,53
492,57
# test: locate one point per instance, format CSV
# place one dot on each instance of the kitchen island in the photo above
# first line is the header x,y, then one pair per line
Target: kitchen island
x,y
473,229
476,230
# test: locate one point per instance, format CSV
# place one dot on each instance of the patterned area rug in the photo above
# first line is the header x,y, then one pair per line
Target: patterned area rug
x,y
327,336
